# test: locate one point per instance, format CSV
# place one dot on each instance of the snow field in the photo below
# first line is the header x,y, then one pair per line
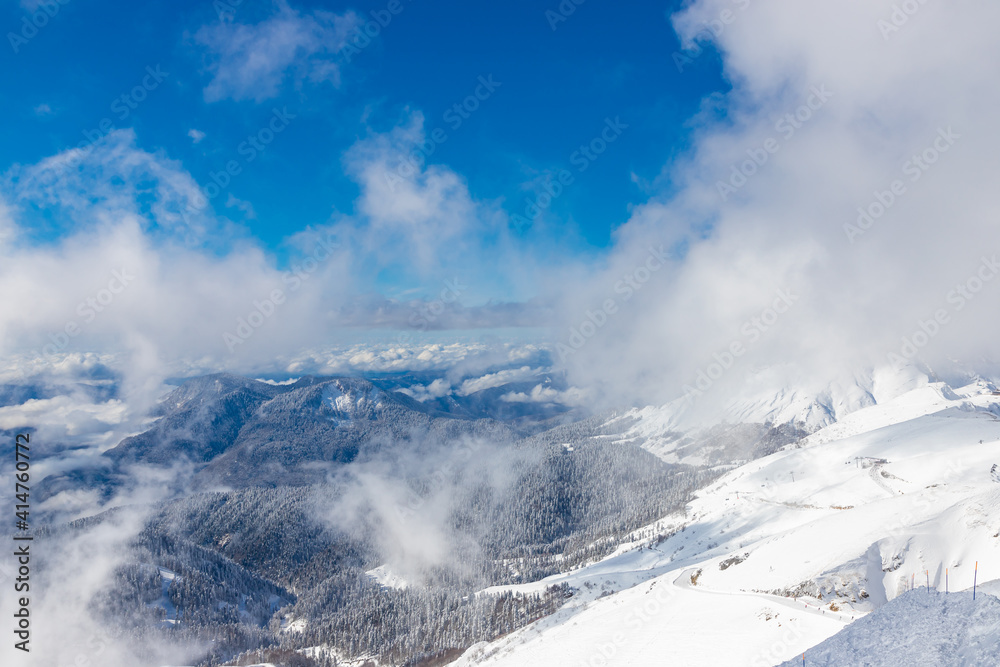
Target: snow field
x,y
787,550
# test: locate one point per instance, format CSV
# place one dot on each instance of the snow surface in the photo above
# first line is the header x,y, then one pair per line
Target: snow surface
x,y
773,396
350,400
785,551
386,577
167,578
918,628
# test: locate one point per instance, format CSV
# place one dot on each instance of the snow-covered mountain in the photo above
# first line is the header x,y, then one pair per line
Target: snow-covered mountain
x,y
226,429
640,537
782,552
776,395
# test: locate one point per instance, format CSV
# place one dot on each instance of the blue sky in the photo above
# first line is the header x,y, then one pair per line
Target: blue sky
x,y
556,89
683,166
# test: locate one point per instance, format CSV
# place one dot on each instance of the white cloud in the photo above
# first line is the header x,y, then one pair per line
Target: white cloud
x,y
380,353
423,219
498,379
71,416
424,211
8,228
111,180
251,62
542,394
196,135
435,389
248,211
784,227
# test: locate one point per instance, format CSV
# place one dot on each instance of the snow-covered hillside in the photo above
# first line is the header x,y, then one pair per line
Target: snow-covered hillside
x,y
785,551
918,628
774,395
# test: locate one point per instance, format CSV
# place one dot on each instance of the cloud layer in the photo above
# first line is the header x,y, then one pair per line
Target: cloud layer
x,y
829,214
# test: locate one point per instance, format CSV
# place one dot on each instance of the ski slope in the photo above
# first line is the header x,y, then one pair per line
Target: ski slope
x,y
918,628
784,552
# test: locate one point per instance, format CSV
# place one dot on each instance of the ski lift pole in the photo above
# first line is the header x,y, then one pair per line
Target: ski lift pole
x,y
975,576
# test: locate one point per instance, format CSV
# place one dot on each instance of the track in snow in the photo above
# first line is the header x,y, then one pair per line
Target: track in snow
x,y
684,581
876,474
